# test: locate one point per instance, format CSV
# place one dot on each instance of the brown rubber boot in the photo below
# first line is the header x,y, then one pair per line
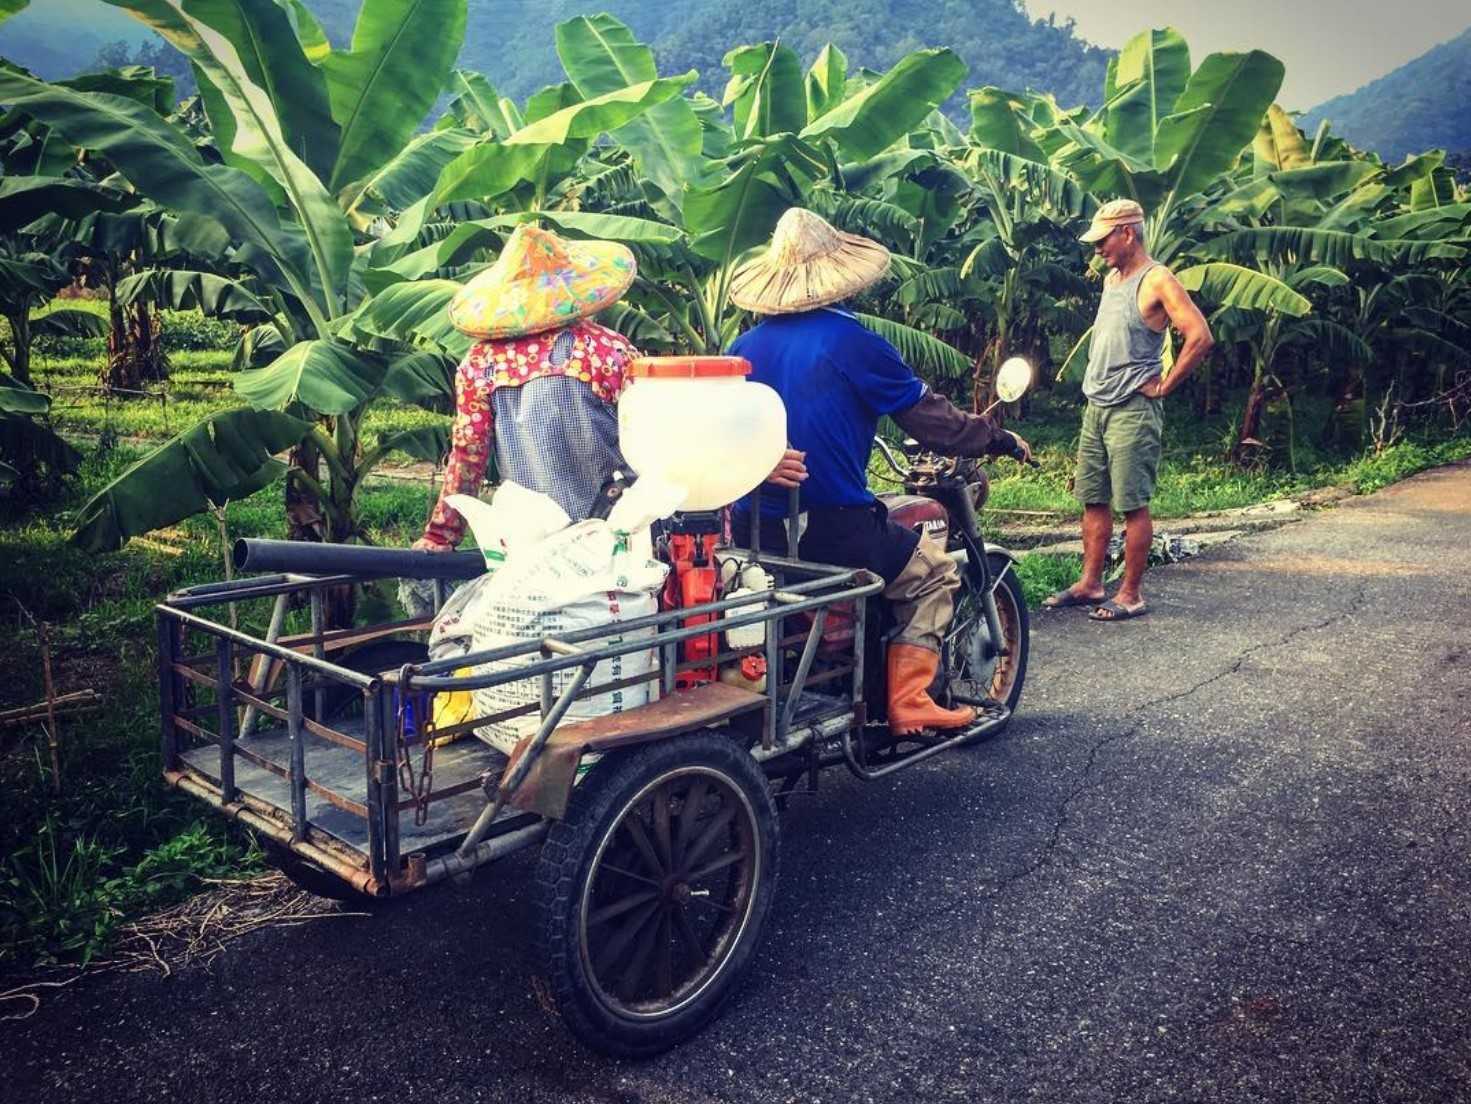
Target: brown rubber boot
x,y
911,709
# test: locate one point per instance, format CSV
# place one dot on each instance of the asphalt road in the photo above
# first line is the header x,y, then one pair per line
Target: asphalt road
x,y
1224,854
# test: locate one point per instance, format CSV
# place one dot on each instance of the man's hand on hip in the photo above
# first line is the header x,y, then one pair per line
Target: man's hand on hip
x,y
1153,389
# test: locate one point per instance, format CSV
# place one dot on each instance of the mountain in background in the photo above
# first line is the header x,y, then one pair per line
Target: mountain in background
x,y
512,42
1424,104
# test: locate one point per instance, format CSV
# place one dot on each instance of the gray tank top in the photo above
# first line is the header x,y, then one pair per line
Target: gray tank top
x,y
1124,353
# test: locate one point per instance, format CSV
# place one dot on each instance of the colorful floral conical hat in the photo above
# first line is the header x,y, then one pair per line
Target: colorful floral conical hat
x,y
542,282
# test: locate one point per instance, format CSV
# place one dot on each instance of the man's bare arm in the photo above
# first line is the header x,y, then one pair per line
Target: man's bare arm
x,y
1185,316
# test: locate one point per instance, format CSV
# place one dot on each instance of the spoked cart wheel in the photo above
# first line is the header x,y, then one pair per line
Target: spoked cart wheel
x,y
653,891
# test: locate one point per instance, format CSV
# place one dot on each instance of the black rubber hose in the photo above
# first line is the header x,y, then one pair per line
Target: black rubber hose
x,y
314,558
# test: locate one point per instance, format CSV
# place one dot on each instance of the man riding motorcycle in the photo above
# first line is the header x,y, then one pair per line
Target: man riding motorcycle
x,y
837,379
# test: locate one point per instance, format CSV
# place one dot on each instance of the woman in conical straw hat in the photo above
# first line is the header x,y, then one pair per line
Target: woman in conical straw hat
x,y
539,385
837,378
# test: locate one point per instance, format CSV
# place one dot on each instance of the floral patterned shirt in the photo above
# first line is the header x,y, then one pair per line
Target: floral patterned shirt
x,y
559,437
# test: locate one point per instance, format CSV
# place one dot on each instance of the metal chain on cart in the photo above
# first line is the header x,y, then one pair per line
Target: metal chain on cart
x,y
419,788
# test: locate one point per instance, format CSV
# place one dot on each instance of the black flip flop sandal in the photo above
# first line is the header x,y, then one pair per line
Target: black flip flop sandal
x,y
1117,612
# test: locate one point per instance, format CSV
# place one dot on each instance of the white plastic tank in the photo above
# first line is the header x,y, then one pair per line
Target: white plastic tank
x,y
698,422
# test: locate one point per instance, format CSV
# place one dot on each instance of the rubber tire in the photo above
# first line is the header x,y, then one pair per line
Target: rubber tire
x,y
561,872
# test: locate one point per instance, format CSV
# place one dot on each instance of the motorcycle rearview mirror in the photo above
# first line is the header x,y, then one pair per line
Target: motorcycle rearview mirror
x,y
1013,380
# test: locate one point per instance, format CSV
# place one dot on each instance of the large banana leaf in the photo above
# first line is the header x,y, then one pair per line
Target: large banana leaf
x,y
27,442
928,356
1278,143
1436,222
1356,209
1325,181
1322,275
1215,118
70,323
309,33
423,378
1330,340
601,55
24,199
826,81
1231,285
931,285
1144,83
1436,189
24,276
412,173
414,312
1415,168
481,108
263,35
226,457
15,399
998,121
866,124
324,376
402,53
865,175
765,90
989,258
1330,247
211,295
1054,193
258,136
736,214
600,114
597,226
648,334
163,164
428,443
1099,167
888,223
485,171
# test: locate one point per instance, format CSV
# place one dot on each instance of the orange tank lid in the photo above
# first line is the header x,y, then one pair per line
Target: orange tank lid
x,y
689,367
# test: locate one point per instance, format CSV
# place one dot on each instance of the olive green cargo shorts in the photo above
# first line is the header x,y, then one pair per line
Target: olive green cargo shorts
x,y
1118,453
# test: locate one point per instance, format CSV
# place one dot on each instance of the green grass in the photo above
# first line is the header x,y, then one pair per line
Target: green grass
x,y
116,842
1044,575
200,384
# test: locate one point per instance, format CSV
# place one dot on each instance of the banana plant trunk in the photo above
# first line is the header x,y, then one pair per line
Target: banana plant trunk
x,y
135,354
18,357
321,508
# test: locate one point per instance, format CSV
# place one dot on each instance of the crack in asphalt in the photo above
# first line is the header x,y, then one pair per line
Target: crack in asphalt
x,y
1085,785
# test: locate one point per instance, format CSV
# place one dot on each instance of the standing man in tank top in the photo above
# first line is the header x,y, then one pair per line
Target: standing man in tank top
x,y
1125,385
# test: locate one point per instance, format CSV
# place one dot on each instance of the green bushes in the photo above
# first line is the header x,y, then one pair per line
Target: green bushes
x,y
183,331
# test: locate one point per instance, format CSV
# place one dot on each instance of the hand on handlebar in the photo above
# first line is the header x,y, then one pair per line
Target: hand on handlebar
x,y
1022,452
424,544
790,470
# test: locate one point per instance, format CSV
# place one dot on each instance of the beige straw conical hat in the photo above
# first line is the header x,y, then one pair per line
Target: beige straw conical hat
x,y
809,264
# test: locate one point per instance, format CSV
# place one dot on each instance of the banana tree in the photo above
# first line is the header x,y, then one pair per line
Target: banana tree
x,y
1031,209
319,153
35,250
1318,231
1166,136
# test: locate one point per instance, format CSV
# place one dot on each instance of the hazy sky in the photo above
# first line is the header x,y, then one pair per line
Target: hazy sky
x,y
1329,46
